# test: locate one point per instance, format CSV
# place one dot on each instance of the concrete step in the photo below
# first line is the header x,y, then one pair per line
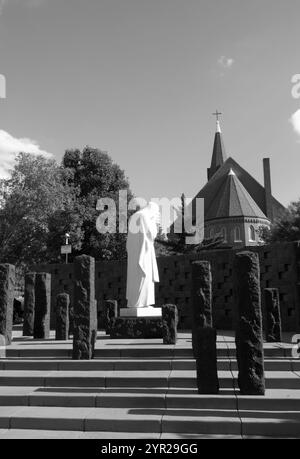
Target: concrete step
x,y
19,434
63,350
115,398
271,424
120,420
141,389
138,379
279,399
111,364
154,420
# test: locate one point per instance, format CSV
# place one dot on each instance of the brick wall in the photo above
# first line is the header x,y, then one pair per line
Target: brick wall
x,y
280,267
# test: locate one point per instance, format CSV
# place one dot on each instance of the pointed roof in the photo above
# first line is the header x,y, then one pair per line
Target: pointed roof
x,y
254,189
219,154
233,200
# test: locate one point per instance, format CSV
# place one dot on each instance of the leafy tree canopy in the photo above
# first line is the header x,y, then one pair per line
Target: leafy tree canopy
x,y
96,176
286,228
29,199
43,200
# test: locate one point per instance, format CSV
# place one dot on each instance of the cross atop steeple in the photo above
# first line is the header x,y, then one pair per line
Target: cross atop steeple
x,y
219,155
217,114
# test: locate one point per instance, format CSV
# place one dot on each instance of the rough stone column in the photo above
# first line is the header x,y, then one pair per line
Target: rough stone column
x,y
249,336
202,294
42,306
204,336
29,302
273,316
7,293
205,350
110,312
169,323
62,317
85,311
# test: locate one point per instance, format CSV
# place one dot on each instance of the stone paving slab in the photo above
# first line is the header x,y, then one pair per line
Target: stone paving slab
x,y
6,414
114,419
74,435
131,400
49,418
268,427
197,401
205,422
15,434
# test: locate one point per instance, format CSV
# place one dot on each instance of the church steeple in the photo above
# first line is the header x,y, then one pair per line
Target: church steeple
x,y
219,154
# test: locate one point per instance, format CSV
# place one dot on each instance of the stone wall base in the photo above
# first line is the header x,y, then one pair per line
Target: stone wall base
x,y
136,328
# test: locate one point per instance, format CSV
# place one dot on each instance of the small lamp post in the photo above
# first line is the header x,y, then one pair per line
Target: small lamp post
x,y
67,248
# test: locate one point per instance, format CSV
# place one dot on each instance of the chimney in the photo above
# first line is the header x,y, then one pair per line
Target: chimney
x,y
268,190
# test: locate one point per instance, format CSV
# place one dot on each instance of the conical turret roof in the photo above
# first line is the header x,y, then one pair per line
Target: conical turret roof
x,y
232,200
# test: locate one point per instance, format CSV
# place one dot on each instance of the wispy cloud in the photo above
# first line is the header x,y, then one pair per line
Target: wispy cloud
x,y
225,62
10,146
295,121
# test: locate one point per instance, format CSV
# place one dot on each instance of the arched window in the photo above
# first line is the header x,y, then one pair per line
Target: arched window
x,y
237,234
252,234
224,234
212,233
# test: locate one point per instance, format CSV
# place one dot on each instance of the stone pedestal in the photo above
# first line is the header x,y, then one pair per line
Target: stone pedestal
x,y
273,316
137,323
29,304
249,336
7,293
141,312
85,310
136,328
62,317
42,306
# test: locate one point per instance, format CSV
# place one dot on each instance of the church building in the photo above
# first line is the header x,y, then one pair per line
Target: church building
x,y
236,205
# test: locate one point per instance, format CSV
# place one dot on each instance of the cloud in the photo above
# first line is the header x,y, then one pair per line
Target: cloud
x,y
225,62
295,121
10,146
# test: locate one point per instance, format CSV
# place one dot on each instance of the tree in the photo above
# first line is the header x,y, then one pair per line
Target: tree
x,y
93,173
175,243
35,193
42,201
286,228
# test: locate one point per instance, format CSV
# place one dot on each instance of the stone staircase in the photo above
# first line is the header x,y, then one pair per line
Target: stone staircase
x,y
141,389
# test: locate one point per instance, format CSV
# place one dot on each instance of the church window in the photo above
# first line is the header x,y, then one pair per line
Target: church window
x,y
224,234
237,234
252,234
212,233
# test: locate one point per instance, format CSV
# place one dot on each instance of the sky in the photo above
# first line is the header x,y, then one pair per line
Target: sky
x,y
140,79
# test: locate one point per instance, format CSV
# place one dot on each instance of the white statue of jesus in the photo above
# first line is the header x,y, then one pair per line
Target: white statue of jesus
x,y
142,272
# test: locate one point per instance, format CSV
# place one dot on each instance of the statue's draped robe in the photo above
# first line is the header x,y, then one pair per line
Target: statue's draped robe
x,y
142,272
